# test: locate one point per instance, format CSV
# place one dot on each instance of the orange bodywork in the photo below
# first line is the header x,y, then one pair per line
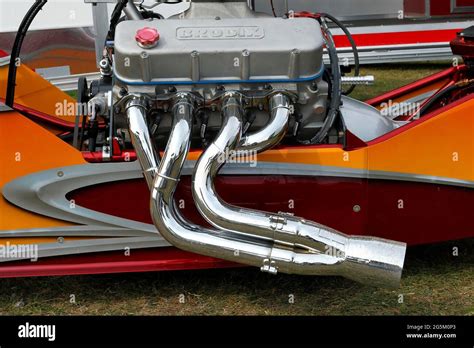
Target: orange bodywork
x,y
80,60
32,91
36,150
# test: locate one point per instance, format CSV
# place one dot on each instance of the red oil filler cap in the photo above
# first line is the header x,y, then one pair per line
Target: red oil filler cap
x,y
147,37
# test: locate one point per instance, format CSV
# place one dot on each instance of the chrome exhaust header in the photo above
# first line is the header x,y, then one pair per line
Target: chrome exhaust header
x,y
141,138
273,242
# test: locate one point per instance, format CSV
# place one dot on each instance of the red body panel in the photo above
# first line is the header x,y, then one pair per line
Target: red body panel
x,y
145,260
398,38
414,213
431,213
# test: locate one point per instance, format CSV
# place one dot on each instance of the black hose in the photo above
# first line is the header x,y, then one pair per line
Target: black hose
x,y
437,98
150,14
273,8
16,49
115,18
354,48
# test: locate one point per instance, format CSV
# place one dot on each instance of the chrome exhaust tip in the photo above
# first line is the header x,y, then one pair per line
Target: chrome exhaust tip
x,y
374,261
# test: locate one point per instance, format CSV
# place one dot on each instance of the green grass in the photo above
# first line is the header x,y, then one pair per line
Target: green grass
x,y
392,76
72,94
435,282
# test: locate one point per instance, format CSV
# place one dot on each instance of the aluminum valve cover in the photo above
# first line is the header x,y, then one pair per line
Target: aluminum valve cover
x,y
194,51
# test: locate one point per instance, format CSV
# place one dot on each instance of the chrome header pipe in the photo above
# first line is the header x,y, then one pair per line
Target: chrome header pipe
x,y
379,255
274,132
166,216
141,138
271,256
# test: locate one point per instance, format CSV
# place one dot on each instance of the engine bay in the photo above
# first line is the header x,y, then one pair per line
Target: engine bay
x,y
208,51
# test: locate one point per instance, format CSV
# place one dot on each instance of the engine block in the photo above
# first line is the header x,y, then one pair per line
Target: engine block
x,y
256,56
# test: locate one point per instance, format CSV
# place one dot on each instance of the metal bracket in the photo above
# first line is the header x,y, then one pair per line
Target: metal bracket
x,y
5,60
269,266
277,222
4,108
358,80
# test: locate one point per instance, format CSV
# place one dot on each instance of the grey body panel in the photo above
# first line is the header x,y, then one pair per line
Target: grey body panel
x,y
365,121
